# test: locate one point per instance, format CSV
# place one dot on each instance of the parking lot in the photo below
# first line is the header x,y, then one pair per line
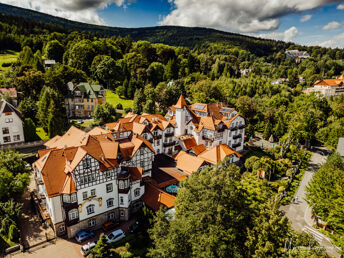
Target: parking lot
x,y
61,248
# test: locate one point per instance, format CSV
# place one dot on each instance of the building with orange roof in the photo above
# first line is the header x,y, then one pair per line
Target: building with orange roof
x,y
87,179
153,128
328,87
156,198
208,124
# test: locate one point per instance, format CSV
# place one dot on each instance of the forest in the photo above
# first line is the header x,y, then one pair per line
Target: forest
x,y
153,67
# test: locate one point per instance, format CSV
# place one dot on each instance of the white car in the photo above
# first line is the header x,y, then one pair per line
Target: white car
x,y
115,236
85,249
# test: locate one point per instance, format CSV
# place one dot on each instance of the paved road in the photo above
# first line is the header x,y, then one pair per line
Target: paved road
x,y
300,213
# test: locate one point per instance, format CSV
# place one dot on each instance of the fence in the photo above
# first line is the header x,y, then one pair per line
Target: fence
x,y
22,145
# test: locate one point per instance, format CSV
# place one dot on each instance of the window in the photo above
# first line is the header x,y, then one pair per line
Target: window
x,y
73,198
73,214
109,203
90,209
126,183
121,213
86,163
7,139
84,195
93,192
142,163
108,174
109,188
5,130
62,228
111,216
121,200
121,184
9,120
16,137
137,192
66,198
91,223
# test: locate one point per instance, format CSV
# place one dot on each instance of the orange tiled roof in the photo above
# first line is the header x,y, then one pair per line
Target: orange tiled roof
x,y
217,154
188,163
180,103
156,198
331,82
189,143
73,137
97,131
199,149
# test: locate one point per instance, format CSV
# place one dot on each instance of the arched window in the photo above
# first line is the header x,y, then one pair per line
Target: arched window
x,y
73,214
137,192
90,209
121,184
109,202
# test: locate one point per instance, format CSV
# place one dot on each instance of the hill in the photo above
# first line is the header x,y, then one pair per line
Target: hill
x,y
171,35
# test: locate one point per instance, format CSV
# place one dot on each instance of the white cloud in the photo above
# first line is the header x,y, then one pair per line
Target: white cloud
x,y
331,26
77,10
237,15
336,41
305,18
340,7
287,35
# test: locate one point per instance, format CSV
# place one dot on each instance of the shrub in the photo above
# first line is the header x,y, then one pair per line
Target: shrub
x,y
13,233
6,64
127,110
119,106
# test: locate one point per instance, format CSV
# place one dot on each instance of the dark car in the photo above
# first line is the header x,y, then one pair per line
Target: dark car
x,y
133,228
83,235
110,225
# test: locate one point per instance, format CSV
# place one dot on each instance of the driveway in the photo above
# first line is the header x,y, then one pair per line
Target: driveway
x,y
299,214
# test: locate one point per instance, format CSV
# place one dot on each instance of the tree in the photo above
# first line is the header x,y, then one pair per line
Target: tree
x,y
211,214
28,108
269,233
108,71
105,113
155,73
37,62
138,101
30,130
171,70
54,50
246,107
30,84
102,248
25,56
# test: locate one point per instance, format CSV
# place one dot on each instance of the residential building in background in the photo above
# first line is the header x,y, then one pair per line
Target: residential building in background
x,y
328,87
153,127
86,179
11,124
209,124
83,98
297,54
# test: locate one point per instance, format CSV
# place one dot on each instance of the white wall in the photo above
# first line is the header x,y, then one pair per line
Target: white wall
x,y
15,127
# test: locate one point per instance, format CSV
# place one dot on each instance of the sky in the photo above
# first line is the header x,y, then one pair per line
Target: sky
x,y
306,22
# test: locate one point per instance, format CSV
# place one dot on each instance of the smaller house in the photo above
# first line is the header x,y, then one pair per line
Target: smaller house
x,y
49,63
340,147
328,87
297,54
156,198
9,94
11,130
83,98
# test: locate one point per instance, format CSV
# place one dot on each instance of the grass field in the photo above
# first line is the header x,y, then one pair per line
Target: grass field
x,y
8,56
42,134
114,99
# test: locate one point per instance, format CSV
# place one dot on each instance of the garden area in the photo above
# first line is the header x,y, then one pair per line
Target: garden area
x,y
113,99
7,57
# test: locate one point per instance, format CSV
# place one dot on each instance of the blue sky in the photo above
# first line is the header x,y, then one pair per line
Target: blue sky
x,y
309,22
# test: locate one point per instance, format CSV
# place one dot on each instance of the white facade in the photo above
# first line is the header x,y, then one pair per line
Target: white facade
x,y
11,130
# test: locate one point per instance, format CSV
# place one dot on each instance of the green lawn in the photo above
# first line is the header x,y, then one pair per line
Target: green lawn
x,y
114,99
42,134
7,56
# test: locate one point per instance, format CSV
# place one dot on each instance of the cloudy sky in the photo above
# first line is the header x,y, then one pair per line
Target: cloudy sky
x,y
308,22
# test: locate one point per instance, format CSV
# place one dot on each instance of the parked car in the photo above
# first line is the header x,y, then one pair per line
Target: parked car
x,y
82,235
79,121
86,249
107,226
115,236
133,227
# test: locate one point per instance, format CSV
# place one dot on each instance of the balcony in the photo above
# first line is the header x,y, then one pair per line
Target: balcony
x,y
221,130
168,144
157,137
208,137
237,136
233,128
150,140
242,126
169,134
236,145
